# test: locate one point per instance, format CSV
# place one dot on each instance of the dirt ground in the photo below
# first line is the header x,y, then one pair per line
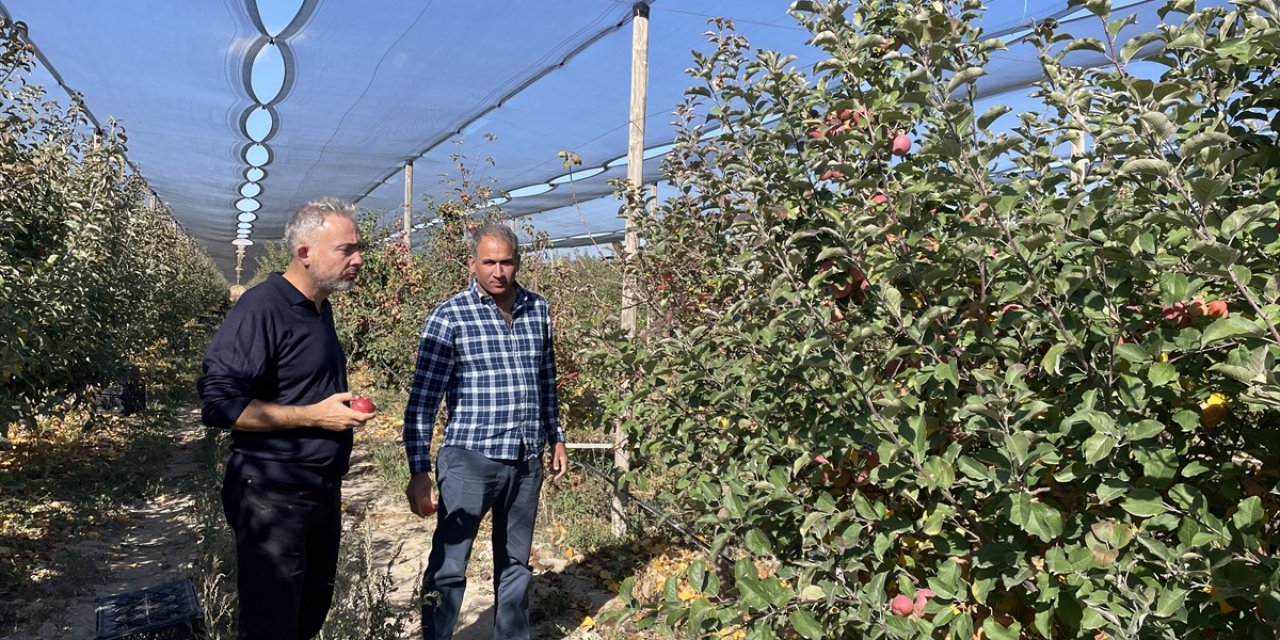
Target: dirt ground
x,y
157,542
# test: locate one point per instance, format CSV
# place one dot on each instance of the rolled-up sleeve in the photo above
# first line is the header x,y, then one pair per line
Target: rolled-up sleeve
x,y
235,358
430,380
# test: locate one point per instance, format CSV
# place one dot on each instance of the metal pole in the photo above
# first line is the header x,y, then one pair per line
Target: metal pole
x,y
408,202
635,176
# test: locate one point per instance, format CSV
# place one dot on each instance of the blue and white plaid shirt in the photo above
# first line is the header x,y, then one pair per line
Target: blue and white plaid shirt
x,y
498,381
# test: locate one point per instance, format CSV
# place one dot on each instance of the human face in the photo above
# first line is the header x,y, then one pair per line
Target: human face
x,y
494,265
331,255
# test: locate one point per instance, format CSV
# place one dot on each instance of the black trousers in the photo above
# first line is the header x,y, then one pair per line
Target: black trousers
x,y
287,541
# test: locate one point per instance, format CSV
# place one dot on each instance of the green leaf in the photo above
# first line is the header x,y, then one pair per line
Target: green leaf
x,y
893,301
1098,447
962,626
749,584
991,115
973,469
758,543
810,520
1085,44
1248,515
1161,374
1188,40
1229,327
733,502
804,622
1143,430
828,253
698,610
1092,618
1206,189
1053,357
1155,166
1220,253
947,371
1171,601
1174,287
1187,419
1137,43
1242,273
1100,8
1045,522
778,594
1159,123
697,575
813,593
1247,376
997,631
1203,140
1195,468
1145,503
964,77
1132,352
1036,518
938,473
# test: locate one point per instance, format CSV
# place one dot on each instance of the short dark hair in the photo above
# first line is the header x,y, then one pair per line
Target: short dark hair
x,y
496,231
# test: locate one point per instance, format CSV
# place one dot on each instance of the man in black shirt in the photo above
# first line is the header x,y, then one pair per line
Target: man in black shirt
x,y
276,376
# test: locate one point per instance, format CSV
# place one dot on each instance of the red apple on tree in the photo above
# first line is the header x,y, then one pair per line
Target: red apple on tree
x,y
901,605
922,598
1216,309
901,144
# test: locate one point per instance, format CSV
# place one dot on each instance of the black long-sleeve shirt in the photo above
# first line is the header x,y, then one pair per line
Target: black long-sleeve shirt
x,y
274,346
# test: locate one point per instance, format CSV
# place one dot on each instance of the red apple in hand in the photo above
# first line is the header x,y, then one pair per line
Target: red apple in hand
x,y
428,508
363,405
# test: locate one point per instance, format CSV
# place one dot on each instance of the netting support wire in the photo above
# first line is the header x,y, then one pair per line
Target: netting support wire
x,y
502,99
635,176
408,203
663,517
57,77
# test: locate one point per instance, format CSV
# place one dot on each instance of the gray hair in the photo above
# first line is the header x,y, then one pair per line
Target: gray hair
x,y
311,217
497,232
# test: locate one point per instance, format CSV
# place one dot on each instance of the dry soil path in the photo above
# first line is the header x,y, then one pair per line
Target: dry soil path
x,y
153,542
157,542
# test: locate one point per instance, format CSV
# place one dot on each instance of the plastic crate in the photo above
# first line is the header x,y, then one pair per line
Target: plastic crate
x,y
169,611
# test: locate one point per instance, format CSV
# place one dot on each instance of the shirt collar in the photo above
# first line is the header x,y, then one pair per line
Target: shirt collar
x,y
480,296
288,291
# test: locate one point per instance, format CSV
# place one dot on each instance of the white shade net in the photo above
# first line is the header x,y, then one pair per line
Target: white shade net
x,y
240,111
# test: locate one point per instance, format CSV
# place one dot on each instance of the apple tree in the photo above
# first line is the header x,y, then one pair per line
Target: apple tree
x,y
916,365
89,275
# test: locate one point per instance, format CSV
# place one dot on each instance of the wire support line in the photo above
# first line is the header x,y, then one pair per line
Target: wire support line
x,y
663,517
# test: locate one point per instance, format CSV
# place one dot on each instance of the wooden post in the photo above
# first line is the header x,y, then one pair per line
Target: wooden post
x,y
408,202
635,178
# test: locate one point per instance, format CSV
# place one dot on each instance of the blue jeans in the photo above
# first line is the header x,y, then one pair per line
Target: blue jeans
x,y
469,486
287,540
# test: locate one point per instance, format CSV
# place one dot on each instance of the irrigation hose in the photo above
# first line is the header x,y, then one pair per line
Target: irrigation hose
x,y
663,518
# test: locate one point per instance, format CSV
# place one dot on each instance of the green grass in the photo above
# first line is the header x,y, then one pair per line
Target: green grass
x,y
389,463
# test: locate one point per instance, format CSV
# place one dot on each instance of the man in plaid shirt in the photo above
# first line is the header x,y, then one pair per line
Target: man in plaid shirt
x,y
488,352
